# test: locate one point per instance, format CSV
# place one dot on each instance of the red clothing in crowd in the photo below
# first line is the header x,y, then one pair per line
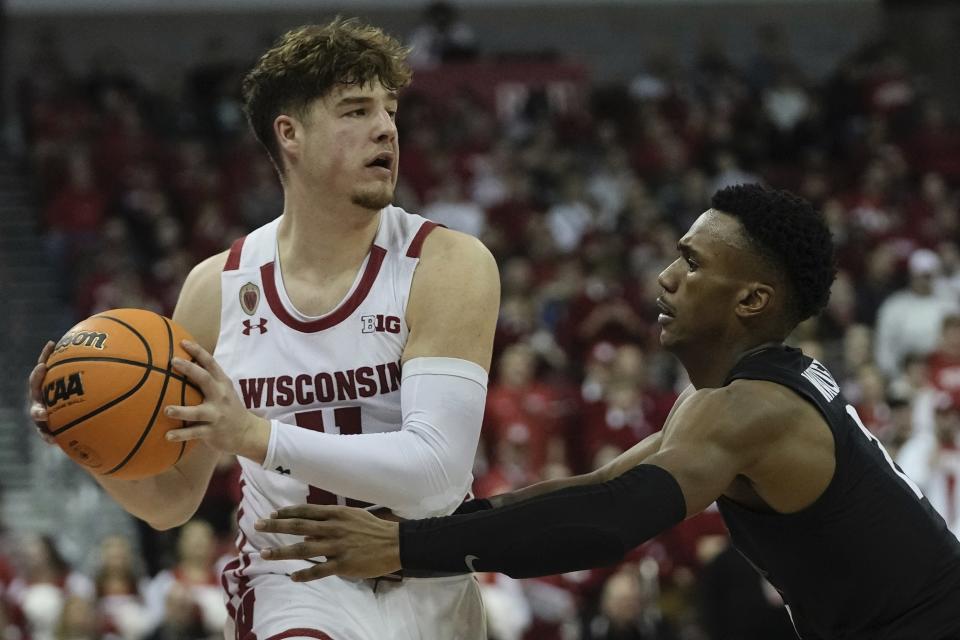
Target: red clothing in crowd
x,y
603,425
76,210
936,149
533,414
944,372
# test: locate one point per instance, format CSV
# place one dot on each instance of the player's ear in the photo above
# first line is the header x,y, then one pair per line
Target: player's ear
x,y
754,299
288,133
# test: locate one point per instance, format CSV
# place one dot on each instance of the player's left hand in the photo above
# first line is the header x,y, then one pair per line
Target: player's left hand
x,y
221,420
356,543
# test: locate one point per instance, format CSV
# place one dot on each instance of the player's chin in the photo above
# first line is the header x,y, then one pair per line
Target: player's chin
x,y
373,196
668,338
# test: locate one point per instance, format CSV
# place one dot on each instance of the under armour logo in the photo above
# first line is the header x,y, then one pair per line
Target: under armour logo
x,y
282,471
247,326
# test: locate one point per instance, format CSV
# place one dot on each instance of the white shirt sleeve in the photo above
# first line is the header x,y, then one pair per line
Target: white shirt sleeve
x,y
915,458
424,469
886,337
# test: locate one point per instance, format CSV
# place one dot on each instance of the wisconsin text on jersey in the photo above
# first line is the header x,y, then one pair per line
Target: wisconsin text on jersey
x,y
304,389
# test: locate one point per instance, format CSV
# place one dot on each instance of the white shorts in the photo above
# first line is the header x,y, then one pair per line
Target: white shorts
x,y
269,606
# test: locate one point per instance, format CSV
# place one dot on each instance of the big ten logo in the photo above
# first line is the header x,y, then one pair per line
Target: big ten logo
x,y
95,339
63,389
380,324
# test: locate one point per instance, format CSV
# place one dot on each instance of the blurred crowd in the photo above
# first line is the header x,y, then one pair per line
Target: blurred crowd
x,y
582,208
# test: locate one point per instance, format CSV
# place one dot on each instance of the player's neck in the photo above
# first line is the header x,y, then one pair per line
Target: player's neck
x,y
708,367
315,232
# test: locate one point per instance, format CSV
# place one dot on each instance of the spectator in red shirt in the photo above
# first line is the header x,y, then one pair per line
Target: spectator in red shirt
x,y
73,218
944,363
526,410
935,146
79,208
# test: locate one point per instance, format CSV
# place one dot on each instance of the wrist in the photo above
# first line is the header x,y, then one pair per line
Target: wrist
x,y
393,550
256,439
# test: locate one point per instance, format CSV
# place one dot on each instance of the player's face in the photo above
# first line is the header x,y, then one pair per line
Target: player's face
x,y
351,146
701,287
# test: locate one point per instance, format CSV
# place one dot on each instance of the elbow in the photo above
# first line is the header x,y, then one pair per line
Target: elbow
x,y
162,524
599,476
169,518
167,522
428,500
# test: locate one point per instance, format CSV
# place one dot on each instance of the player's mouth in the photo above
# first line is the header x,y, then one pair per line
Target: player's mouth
x,y
382,163
667,313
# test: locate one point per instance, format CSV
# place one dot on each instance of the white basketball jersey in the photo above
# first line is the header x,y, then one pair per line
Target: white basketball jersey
x,y
338,373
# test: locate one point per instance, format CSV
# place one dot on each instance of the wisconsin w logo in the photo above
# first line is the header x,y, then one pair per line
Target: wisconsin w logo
x,y
247,326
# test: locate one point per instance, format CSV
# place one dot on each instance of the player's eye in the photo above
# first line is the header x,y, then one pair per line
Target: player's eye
x,y
392,114
691,265
357,113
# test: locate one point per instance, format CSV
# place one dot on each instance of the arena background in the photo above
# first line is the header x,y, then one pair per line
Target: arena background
x,y
576,139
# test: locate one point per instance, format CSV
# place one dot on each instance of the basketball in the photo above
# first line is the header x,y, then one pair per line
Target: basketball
x,y
107,383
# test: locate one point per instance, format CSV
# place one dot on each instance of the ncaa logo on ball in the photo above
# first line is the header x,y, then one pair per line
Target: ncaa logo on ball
x,y
67,390
95,339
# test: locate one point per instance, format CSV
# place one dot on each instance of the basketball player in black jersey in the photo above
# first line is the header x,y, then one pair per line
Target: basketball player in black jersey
x,y
811,498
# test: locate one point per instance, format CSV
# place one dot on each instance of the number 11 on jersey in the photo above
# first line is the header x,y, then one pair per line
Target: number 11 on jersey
x,y
348,422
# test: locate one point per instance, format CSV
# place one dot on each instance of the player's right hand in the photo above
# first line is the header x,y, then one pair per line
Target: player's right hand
x,y
38,410
356,543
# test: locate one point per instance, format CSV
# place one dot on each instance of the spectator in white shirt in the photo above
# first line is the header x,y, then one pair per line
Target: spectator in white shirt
x,y
909,321
932,460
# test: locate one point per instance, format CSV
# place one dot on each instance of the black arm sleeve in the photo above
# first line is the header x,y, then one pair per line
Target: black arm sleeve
x,y
566,530
472,506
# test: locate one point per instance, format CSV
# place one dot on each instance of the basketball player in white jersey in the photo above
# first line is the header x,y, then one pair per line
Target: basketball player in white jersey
x,y
351,342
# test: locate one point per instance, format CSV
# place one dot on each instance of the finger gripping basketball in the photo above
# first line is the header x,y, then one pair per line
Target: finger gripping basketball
x,y
107,383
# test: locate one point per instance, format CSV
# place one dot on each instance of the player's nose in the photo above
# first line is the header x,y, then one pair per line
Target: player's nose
x,y
666,280
386,127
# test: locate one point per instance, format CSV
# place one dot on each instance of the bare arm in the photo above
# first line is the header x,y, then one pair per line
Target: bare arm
x,y
629,458
626,460
171,498
454,300
710,440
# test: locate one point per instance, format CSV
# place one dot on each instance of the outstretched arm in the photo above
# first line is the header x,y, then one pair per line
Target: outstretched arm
x,y
622,463
567,530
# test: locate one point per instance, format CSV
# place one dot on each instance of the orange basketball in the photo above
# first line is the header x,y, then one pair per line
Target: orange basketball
x,y
108,380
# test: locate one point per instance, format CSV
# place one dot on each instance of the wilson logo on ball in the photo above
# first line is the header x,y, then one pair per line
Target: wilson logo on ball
x,y
95,339
62,389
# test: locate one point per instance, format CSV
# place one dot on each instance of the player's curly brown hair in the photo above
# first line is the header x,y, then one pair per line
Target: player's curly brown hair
x,y
308,62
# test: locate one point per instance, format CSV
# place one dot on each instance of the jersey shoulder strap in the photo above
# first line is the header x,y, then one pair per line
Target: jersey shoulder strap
x,y
255,249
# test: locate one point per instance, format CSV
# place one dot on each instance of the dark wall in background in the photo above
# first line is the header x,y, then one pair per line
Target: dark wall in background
x,y
611,39
928,31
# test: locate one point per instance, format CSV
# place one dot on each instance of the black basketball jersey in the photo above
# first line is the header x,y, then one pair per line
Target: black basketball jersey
x,y
870,559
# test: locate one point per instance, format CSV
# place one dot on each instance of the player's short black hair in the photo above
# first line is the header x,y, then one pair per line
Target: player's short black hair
x,y
787,232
